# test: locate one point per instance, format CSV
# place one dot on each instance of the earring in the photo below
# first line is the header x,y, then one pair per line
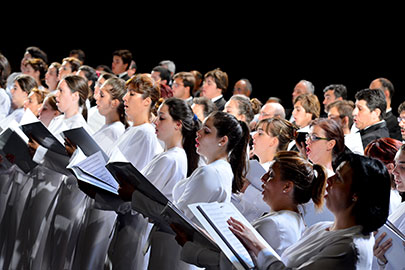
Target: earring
x,y
354,199
219,145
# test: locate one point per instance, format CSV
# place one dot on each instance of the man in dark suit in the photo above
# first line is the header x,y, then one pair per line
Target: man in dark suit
x,y
214,86
391,120
369,114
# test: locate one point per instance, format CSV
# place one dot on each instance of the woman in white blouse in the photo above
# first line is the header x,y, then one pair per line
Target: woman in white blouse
x,y
97,225
222,140
382,244
176,126
139,145
53,214
358,195
272,135
291,180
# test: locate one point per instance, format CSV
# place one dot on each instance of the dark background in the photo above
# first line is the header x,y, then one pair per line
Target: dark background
x,y
274,53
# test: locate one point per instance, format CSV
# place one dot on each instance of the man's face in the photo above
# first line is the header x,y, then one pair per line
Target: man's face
x,y
362,116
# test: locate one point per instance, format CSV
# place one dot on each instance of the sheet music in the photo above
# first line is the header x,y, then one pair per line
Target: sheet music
x,y
396,253
93,170
255,173
213,217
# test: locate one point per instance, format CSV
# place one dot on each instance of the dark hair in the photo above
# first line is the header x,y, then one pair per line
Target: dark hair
x,y
372,185
209,106
284,130
79,54
344,107
187,78
36,52
256,105
375,99
238,138
383,149
179,110
26,82
144,85
118,91
333,131
220,77
74,63
125,55
164,73
5,70
309,180
90,74
79,84
38,65
339,90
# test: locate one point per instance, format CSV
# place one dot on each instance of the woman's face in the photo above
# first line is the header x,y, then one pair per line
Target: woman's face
x,y
32,103
51,78
165,125
134,103
65,99
46,113
302,118
18,96
64,70
273,187
207,140
100,81
399,170
29,70
318,146
338,189
104,101
262,141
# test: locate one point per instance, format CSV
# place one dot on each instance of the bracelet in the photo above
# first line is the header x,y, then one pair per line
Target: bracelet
x,y
381,263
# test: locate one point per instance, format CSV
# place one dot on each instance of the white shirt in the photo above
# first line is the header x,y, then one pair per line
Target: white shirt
x,y
95,119
280,229
5,103
138,144
354,143
209,183
108,134
166,169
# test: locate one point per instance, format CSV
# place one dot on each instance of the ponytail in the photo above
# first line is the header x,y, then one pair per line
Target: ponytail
x,y
189,145
318,186
179,110
79,84
238,157
309,180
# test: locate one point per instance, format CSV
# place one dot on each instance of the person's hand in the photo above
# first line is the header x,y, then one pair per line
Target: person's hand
x,y
32,146
379,248
125,191
246,236
70,147
181,237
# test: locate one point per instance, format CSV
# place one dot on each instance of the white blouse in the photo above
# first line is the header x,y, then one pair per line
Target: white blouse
x,y
209,183
108,134
280,229
166,169
138,144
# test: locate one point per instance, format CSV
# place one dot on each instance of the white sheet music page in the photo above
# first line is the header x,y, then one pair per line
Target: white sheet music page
x,y
95,165
218,214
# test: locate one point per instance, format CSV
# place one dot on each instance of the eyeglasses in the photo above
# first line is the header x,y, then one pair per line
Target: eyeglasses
x,y
400,119
314,138
175,85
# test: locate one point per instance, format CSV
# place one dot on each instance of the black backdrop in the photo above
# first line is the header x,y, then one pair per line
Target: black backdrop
x,y
273,55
